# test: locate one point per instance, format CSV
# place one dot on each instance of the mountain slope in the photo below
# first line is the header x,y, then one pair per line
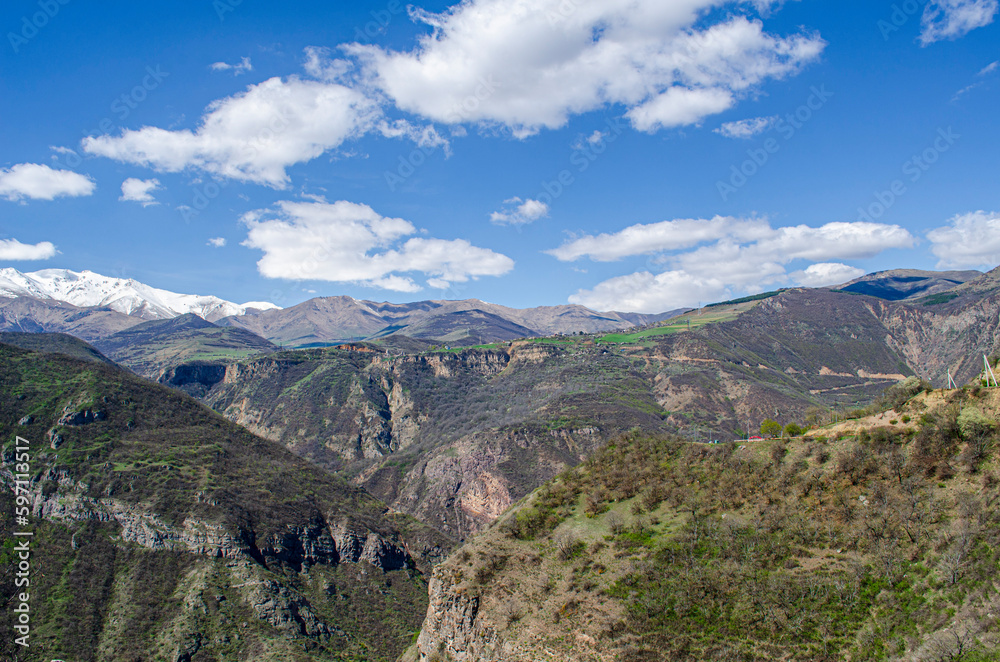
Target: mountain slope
x,y
329,320
904,284
54,343
155,347
880,547
163,531
25,314
123,295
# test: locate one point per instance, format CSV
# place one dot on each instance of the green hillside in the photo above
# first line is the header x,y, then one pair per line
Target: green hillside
x,y
152,348
163,531
882,546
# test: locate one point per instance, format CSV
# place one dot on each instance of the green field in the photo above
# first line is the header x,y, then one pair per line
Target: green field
x,y
687,322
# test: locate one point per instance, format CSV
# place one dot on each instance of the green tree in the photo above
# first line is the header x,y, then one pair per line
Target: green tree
x,y
770,428
794,430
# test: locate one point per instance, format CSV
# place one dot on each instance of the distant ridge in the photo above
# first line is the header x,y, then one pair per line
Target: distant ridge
x,y
151,347
330,320
93,307
54,343
904,284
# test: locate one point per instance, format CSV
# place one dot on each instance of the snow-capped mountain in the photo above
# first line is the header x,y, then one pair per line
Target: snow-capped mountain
x,y
123,295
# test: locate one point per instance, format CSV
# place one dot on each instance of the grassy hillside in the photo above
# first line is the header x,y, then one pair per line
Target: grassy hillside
x,y
880,546
151,348
163,531
54,343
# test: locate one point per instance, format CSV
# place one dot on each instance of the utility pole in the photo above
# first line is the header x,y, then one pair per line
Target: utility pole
x,y
988,371
951,382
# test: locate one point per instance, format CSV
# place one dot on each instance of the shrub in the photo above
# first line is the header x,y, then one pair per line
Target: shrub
x,y
794,430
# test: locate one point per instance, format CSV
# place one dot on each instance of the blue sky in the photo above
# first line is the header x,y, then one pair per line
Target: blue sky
x,y
623,154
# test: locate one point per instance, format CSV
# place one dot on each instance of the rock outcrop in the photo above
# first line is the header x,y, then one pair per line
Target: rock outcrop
x,y
453,629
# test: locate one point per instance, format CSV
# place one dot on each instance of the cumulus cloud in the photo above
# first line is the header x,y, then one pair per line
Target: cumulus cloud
x,y
714,259
531,64
522,65
646,292
748,128
140,190
643,239
321,64
953,19
253,136
351,243
824,274
968,240
242,67
518,212
40,182
12,249
217,242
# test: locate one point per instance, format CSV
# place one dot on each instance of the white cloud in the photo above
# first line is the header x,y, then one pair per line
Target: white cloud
x,y
40,182
320,64
678,106
242,67
140,190
423,136
531,64
727,256
253,136
969,240
520,64
518,212
747,128
983,73
217,242
953,19
643,239
349,242
645,292
12,249
824,274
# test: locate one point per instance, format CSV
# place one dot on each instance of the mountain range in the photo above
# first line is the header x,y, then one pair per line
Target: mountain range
x,y
86,289
93,307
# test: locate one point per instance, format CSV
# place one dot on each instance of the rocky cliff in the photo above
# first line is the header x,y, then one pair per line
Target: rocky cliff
x,y
164,531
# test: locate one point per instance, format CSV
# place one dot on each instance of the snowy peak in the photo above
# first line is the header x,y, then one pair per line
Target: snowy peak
x,y
124,295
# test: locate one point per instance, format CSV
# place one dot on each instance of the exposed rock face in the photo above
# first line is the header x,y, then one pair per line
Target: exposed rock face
x,y
453,627
286,610
193,378
84,417
298,547
55,439
938,339
485,363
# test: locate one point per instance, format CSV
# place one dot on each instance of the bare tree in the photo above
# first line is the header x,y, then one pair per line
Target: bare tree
x,y
952,644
